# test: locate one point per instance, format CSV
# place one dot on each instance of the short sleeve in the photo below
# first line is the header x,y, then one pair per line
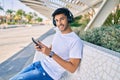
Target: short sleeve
x,y
76,50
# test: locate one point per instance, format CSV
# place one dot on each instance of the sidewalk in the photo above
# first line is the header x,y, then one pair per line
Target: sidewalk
x,y
22,58
13,40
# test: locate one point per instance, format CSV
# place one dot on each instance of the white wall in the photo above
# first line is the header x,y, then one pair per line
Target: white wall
x,y
97,64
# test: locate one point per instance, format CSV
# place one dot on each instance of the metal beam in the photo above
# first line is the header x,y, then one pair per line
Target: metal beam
x,y
39,6
103,12
46,7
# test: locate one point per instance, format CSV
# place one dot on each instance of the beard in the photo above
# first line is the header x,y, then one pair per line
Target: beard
x,y
62,27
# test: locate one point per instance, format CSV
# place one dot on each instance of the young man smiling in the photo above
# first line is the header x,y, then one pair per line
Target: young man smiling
x,y
65,53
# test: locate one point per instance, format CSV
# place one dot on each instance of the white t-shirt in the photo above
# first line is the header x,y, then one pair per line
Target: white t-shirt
x,y
66,46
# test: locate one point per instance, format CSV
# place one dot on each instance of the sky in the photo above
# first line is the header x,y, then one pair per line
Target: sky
x,y
15,5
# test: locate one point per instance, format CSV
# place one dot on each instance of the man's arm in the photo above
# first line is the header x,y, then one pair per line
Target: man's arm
x,y
70,65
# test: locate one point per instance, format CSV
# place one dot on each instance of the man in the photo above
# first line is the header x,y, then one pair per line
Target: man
x,y
64,55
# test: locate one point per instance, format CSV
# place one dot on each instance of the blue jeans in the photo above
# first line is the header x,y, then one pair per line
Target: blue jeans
x,y
32,72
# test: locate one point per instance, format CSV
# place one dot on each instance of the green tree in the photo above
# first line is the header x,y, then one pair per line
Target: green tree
x,y
10,15
39,19
29,17
113,18
19,15
1,8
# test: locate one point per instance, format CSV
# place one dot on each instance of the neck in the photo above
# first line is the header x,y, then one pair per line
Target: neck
x,y
68,30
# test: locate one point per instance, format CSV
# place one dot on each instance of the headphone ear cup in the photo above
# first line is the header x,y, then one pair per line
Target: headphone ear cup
x,y
70,17
69,20
54,22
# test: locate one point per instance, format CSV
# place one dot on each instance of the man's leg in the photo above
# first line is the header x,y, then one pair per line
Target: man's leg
x,y
30,75
27,69
32,72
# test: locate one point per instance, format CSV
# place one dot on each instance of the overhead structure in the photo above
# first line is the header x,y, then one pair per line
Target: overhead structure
x,y
105,9
46,7
77,7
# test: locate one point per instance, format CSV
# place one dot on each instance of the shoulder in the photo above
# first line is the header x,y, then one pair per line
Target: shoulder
x,y
75,37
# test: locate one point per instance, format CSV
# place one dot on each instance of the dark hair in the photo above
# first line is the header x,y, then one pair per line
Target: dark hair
x,y
64,11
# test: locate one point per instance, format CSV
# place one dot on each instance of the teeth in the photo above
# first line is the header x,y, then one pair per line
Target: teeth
x,y
61,26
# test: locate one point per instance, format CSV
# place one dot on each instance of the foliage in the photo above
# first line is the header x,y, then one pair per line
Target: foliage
x,y
113,18
29,17
108,37
76,23
20,12
19,17
9,11
85,20
81,21
1,8
11,23
39,19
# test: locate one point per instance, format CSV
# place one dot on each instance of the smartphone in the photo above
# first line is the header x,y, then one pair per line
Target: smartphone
x,y
36,42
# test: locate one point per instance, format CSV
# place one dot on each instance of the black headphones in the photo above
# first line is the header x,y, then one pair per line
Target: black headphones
x,y
63,11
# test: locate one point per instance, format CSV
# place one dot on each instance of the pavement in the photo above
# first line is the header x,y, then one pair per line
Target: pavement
x,y
12,40
23,57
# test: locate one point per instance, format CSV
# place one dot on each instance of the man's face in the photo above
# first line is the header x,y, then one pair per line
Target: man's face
x,y
61,22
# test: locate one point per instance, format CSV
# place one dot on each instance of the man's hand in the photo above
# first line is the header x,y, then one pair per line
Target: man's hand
x,y
44,49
